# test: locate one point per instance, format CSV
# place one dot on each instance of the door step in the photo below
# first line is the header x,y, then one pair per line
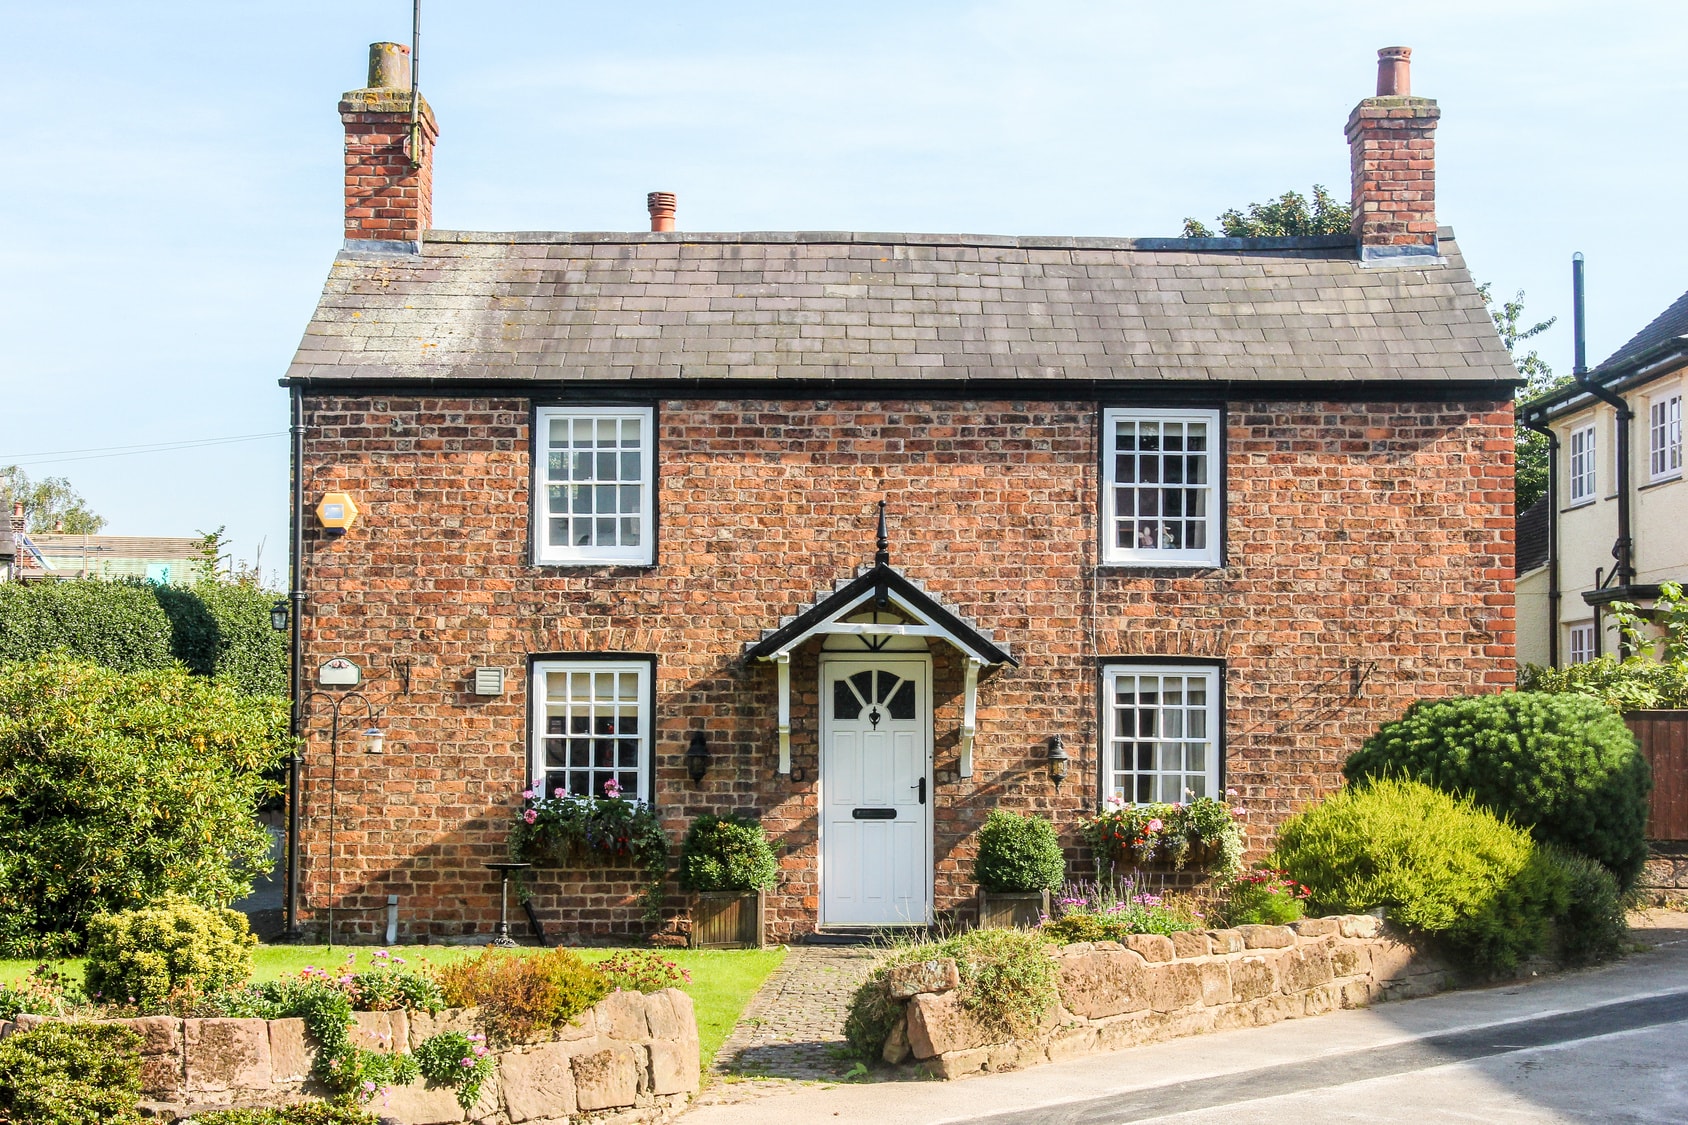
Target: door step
x,y
865,935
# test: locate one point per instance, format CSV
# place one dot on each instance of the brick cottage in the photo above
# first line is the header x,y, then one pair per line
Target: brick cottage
x,y
1205,511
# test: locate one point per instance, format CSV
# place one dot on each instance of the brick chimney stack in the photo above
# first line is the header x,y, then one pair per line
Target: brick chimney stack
x,y
389,196
1392,157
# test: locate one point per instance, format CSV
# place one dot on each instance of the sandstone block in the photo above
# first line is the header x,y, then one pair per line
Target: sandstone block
x,y
163,1063
1074,948
537,1082
938,975
1151,947
662,1019
675,1068
1226,941
1392,960
1359,926
939,1025
1172,986
1252,977
1071,1042
1108,946
1317,1001
386,1032
1315,927
1101,983
606,1079
1119,1032
226,1056
292,1051
1013,1056
1357,993
622,1016
28,1022
6,1028
958,1064
1215,981
1304,968
422,1026
1350,958
160,1035
896,1048
1266,937
419,1104
1190,943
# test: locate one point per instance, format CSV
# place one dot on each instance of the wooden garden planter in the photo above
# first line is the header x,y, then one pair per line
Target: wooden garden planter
x,y
1005,911
728,920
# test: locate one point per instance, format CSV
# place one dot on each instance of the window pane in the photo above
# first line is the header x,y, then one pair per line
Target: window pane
x,y
844,702
1161,485
1160,746
902,704
602,707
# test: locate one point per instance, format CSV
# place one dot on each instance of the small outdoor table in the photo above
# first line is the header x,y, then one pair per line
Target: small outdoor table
x,y
502,938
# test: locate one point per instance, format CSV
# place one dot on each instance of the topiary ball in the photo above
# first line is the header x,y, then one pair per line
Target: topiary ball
x,y
1018,854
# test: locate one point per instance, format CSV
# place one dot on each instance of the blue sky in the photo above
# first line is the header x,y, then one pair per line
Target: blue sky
x,y
171,196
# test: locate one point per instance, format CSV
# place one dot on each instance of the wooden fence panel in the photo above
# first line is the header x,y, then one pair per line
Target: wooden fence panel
x,y
1663,736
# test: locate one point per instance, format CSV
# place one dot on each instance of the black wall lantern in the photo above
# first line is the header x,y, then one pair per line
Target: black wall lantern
x,y
278,616
1058,759
697,757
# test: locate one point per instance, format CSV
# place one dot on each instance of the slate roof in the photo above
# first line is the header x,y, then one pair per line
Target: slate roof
x,y
794,306
1672,324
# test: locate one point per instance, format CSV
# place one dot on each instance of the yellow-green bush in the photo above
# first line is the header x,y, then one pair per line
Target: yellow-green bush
x,y
173,946
71,1074
520,995
1438,864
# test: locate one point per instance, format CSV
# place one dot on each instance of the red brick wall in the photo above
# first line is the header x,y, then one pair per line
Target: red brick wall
x,y
1370,562
387,197
1392,167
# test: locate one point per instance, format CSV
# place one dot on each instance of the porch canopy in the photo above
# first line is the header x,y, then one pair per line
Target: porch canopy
x,y
881,589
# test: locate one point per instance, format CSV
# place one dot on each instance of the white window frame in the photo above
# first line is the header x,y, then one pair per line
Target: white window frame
x,y
1121,785
1213,519
1664,431
1582,475
1580,646
544,552
543,740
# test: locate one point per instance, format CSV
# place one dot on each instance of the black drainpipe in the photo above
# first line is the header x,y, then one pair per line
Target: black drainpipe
x,y
1541,427
1622,549
296,596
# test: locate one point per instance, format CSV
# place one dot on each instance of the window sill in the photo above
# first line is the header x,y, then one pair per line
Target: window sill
x,y
1578,505
1672,479
599,565
1162,570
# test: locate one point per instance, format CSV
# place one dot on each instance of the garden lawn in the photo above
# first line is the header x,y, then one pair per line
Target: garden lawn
x,y
723,980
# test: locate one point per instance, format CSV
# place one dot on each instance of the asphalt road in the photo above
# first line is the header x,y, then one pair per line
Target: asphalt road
x,y
1601,1045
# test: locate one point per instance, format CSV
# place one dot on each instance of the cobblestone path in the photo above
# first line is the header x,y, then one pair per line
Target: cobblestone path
x,y
793,1028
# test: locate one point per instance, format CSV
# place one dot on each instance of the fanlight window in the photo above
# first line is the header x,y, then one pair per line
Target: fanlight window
x,y
878,693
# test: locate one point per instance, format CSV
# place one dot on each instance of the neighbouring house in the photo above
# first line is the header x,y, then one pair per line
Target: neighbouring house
x,y
1614,523
1197,513
53,555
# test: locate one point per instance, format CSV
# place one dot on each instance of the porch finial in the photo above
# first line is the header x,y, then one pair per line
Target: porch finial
x,y
882,557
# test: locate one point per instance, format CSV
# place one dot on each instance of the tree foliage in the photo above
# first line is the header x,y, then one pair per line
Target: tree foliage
x,y
49,504
1286,216
118,788
1530,455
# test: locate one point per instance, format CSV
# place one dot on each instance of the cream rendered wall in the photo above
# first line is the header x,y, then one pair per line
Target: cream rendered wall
x,y
1658,522
1531,594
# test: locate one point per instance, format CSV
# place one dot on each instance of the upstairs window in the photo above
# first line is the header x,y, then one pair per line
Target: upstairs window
x,y
1160,733
1582,465
593,488
1161,498
1582,643
1664,428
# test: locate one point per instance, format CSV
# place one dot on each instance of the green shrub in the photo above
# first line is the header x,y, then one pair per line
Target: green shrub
x,y
1018,854
1563,766
1007,983
1636,684
1263,897
520,995
144,956
727,853
118,788
1592,927
71,1074
222,630
1439,864
305,1113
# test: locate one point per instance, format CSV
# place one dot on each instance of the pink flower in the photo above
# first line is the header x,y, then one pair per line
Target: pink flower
x,y
527,794
1230,792
1239,811
612,788
561,793
530,816
1154,825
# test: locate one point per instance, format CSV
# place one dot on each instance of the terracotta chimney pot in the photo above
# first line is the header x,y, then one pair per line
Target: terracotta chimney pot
x,y
661,206
1394,72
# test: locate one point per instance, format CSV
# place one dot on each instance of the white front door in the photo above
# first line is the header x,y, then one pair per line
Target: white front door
x,y
876,800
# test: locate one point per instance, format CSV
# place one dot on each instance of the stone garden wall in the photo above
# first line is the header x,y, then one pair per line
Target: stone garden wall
x,y
1114,996
631,1053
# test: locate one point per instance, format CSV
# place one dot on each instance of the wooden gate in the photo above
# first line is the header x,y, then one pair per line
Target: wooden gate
x,y
1663,736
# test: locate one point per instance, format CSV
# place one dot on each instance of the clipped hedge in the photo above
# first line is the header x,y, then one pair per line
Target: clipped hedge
x,y
1563,766
1438,864
727,853
218,629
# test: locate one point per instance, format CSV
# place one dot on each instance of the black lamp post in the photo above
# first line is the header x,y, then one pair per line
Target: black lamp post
x,y
1058,760
697,757
375,743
